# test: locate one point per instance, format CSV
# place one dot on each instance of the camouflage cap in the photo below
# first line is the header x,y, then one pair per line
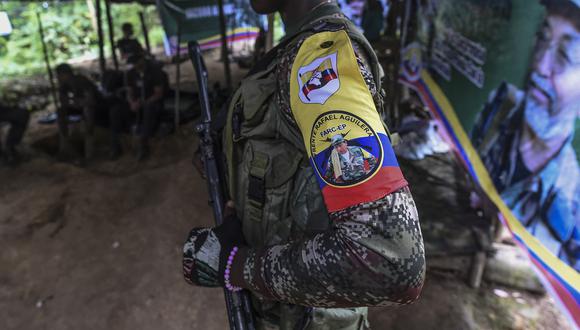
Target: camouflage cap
x,y
337,139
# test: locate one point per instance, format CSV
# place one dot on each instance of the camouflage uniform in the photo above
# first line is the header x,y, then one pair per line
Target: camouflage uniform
x,y
546,202
336,263
354,168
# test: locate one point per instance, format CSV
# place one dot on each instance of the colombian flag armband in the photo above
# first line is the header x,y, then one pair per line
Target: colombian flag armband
x,y
342,130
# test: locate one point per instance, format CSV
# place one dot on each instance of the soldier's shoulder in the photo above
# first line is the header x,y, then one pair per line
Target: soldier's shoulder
x,y
514,95
325,25
334,22
502,103
340,31
506,93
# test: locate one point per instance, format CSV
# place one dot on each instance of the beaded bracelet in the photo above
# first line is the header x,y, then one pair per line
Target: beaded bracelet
x,y
227,282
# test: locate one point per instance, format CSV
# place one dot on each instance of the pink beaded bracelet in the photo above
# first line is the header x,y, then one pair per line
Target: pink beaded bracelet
x,y
227,282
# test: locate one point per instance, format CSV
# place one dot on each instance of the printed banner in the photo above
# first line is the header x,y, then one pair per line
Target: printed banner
x,y
199,21
343,132
503,80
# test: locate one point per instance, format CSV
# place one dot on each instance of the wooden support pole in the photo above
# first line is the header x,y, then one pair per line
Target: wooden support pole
x,y
178,77
47,61
92,14
111,33
477,268
145,32
224,40
102,63
270,33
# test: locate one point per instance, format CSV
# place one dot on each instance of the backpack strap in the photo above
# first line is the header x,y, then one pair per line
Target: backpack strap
x,y
257,186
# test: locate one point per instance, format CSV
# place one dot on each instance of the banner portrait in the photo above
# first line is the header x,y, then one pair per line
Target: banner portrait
x,y
502,78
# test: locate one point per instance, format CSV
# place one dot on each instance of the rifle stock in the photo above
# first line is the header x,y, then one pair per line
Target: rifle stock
x,y
237,303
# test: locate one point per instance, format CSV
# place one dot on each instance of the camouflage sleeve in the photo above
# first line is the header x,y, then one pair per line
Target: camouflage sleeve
x,y
372,256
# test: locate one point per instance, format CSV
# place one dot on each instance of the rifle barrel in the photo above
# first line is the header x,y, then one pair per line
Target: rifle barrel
x,y
237,303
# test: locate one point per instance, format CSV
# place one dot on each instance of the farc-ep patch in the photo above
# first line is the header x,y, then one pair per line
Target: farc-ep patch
x,y
345,149
343,133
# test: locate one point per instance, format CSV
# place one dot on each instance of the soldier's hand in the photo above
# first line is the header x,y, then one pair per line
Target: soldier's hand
x,y
206,250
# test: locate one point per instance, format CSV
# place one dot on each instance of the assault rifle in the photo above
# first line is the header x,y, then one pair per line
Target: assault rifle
x,y
237,303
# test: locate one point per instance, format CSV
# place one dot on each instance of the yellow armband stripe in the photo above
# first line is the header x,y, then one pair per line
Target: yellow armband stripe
x,y
334,109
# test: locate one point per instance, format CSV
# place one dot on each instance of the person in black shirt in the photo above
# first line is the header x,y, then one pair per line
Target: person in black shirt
x,y
128,45
119,115
147,84
78,94
18,120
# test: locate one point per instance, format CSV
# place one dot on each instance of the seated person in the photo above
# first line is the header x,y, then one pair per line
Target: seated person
x,y
128,45
119,116
18,120
147,85
77,94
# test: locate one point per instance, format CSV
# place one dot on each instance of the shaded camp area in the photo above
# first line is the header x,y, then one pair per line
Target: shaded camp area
x,y
99,246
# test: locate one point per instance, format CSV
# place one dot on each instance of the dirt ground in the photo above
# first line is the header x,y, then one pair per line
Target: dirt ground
x,y
99,247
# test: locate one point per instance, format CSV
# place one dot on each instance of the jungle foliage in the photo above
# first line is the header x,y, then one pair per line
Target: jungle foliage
x,y
70,32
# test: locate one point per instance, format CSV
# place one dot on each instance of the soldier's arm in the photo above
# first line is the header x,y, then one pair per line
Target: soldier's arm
x,y
89,97
132,94
156,96
157,76
63,96
373,254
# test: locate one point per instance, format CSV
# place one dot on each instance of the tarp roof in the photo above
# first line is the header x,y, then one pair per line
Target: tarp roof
x,y
143,2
